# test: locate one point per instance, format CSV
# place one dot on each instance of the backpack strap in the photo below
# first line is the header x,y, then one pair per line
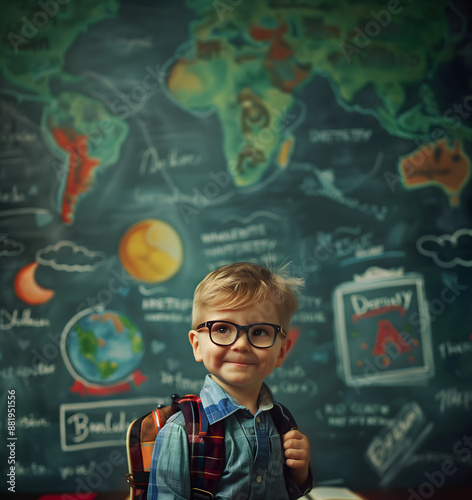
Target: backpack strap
x,y
140,439
206,448
284,422
283,419
137,477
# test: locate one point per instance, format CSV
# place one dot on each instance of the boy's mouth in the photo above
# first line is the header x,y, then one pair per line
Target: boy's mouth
x,y
241,362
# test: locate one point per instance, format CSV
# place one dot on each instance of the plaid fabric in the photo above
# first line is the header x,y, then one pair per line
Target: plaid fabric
x,y
206,445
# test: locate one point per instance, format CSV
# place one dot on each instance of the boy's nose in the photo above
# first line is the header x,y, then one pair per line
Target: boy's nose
x,y
242,342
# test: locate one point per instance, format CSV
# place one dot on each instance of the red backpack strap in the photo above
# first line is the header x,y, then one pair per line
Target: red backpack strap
x,y
206,448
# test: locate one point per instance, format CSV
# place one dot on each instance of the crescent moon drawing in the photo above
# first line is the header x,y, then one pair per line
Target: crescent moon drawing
x,y
27,289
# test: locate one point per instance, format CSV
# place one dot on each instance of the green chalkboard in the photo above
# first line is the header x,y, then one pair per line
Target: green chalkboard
x,y
144,144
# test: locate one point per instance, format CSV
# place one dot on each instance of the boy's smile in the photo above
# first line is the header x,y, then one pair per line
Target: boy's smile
x,y
239,368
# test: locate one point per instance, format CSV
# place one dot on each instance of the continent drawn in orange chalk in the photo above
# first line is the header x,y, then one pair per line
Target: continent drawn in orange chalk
x,y
80,170
439,165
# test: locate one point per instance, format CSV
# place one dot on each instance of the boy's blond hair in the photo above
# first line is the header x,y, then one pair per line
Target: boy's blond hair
x,y
239,285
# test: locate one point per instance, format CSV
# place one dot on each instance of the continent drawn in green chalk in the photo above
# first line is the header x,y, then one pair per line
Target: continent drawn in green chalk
x,y
247,63
33,51
35,42
91,139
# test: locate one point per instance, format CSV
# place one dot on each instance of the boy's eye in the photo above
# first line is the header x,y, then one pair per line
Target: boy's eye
x,y
259,332
221,328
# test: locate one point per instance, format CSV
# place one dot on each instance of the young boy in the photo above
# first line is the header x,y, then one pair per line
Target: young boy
x,y
241,316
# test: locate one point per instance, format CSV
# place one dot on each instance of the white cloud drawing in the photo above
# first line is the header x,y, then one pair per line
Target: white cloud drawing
x,y
448,250
9,247
68,256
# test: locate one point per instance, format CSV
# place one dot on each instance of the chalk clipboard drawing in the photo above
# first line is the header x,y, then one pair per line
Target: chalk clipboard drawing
x,y
382,329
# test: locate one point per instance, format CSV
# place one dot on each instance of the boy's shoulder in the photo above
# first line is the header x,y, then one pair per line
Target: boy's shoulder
x,y
175,419
184,415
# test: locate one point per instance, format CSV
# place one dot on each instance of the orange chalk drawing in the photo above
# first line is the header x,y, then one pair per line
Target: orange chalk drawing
x,y
437,164
80,171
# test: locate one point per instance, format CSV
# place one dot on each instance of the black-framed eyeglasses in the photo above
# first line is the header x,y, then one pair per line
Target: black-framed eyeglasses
x,y
225,333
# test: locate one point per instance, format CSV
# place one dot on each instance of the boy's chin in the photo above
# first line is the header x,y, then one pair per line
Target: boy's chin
x,y
236,381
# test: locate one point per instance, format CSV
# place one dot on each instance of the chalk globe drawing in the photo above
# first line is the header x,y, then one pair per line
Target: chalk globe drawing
x,y
102,347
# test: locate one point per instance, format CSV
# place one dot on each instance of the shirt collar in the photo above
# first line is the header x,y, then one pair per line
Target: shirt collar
x,y
218,404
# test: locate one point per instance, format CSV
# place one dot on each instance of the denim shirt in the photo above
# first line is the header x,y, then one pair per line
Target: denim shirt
x,y
253,452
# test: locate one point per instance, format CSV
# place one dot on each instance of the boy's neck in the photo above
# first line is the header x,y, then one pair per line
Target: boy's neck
x,y
247,397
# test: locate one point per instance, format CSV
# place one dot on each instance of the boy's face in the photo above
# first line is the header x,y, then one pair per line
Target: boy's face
x,y
238,366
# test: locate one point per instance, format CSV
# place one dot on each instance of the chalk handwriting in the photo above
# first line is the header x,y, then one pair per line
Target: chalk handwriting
x,y
152,162
235,233
369,408
77,470
310,301
452,398
13,319
449,348
288,372
362,304
26,372
170,317
131,43
240,248
10,136
97,425
180,382
369,252
307,387
83,425
396,438
33,469
30,421
356,414
340,135
12,196
323,185
359,421
166,304
310,317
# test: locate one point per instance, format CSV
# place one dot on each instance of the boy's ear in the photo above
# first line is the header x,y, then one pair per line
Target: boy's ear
x,y
193,338
287,344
